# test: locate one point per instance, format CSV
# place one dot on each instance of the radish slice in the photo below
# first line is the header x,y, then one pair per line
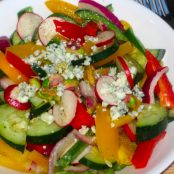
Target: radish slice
x,y
87,150
5,82
86,90
122,66
77,168
4,43
150,83
96,7
77,92
10,96
83,138
65,112
27,24
58,149
105,38
102,26
47,29
102,97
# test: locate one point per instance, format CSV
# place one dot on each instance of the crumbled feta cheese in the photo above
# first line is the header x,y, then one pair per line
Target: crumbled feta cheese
x,y
78,72
104,110
149,107
26,91
50,70
19,76
140,108
67,74
27,114
38,42
73,47
133,71
47,118
91,38
112,72
94,48
104,47
94,116
36,53
137,92
112,125
60,89
83,130
11,65
87,61
96,75
44,147
105,103
27,38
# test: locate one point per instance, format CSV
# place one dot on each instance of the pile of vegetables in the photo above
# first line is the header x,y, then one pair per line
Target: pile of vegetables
x,y
80,93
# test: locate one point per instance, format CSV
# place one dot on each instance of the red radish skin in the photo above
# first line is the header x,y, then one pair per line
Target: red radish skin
x,y
4,43
91,104
82,117
150,83
12,101
104,38
77,168
96,7
101,97
102,26
66,111
5,82
20,65
83,138
45,34
27,24
127,71
58,149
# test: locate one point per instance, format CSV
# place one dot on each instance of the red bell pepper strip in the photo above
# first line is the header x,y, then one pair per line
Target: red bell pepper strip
x,y
129,133
71,31
20,65
82,117
40,148
144,151
163,87
91,28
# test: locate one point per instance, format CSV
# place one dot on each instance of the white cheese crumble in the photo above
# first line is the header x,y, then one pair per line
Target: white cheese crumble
x,y
93,129
87,61
112,72
96,75
38,42
26,91
138,93
104,110
27,38
94,48
112,125
149,107
133,71
60,89
105,103
83,130
78,72
91,38
47,118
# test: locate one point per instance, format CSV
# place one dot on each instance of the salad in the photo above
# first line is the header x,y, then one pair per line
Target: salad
x,y
80,93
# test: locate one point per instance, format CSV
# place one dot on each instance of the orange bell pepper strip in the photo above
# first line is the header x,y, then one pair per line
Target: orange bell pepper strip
x,y
127,118
7,162
107,137
11,71
58,6
23,51
122,50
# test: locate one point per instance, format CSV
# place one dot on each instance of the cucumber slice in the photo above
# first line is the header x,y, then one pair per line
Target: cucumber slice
x,y
140,71
55,40
171,115
90,171
93,160
71,154
15,39
2,101
13,126
65,17
158,53
151,122
90,15
36,101
116,167
24,10
42,133
84,23
102,54
38,70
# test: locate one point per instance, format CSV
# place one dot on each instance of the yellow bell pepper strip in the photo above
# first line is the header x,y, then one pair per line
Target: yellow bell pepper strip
x,y
15,75
87,47
12,153
126,150
125,24
127,118
107,137
39,159
23,51
8,162
122,50
58,6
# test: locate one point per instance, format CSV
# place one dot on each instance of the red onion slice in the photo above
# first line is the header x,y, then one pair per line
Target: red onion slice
x,y
77,168
58,149
150,83
83,138
4,43
5,82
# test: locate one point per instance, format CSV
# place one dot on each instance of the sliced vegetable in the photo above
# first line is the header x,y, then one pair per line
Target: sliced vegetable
x,y
4,43
38,70
90,15
171,115
150,83
5,82
91,28
40,148
158,53
144,151
27,24
15,39
163,88
24,10
151,122
77,168
100,9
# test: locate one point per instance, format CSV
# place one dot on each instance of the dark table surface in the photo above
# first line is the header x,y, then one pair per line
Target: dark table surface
x,y
170,4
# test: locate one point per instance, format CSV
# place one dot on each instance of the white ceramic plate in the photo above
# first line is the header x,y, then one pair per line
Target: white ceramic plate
x,y
151,30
